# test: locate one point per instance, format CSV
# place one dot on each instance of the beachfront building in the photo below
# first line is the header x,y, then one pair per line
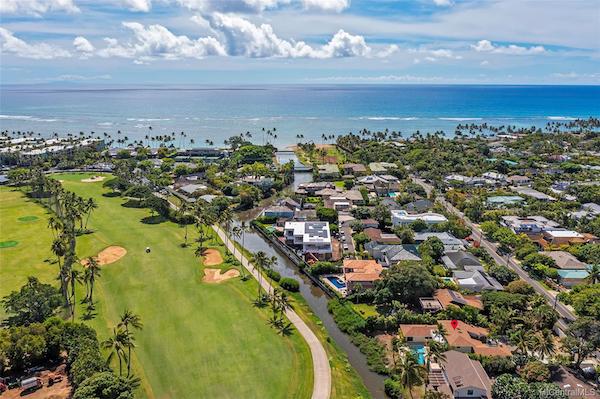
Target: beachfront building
x,y
313,238
403,218
363,273
459,377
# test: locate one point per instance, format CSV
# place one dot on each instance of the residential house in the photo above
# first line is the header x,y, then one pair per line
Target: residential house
x,y
390,203
363,273
403,218
278,211
518,180
498,201
389,255
303,215
366,223
328,171
467,338
587,211
312,237
450,242
355,169
564,237
461,260
381,184
459,377
312,187
420,333
447,297
529,224
496,177
418,206
379,237
530,192
381,168
354,197
192,189
571,271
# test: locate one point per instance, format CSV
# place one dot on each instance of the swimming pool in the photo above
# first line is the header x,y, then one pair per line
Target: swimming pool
x,y
337,282
419,351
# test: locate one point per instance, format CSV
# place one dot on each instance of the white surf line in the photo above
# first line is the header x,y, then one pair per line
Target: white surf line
x,y
321,368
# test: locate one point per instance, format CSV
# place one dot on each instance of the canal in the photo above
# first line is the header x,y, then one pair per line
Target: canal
x,y
315,297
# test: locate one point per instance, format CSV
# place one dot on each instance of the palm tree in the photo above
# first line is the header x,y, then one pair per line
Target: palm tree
x,y
410,372
521,341
261,261
237,232
90,205
542,342
75,277
435,350
116,344
130,319
594,274
182,211
93,268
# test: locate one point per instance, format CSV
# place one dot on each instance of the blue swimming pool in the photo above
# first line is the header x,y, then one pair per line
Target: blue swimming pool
x,y
337,282
419,351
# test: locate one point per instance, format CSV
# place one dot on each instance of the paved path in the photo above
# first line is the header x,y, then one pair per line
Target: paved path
x,y
566,315
321,369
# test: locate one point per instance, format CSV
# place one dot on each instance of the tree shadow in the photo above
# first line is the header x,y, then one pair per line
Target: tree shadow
x,y
131,203
88,315
153,219
111,194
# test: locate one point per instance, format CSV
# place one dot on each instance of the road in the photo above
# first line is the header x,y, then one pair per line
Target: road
x,y
321,369
320,360
565,314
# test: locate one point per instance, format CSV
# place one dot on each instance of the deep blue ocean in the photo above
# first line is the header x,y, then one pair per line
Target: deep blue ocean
x,y
218,112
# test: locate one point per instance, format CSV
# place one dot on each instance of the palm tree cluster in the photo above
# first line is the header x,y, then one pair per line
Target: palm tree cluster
x,y
279,303
262,262
122,341
69,212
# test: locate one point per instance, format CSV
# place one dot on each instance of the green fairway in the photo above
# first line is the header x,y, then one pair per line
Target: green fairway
x,y
199,340
31,255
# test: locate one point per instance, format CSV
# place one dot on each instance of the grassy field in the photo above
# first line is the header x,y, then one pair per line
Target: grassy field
x,y
199,340
31,256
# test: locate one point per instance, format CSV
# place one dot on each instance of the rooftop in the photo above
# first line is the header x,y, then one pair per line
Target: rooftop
x,y
565,260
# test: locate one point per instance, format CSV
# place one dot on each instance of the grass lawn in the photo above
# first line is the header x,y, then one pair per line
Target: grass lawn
x,y
31,256
345,381
365,310
199,340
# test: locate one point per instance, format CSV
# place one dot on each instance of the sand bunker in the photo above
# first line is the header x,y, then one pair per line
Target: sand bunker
x,y
108,255
93,179
215,276
212,257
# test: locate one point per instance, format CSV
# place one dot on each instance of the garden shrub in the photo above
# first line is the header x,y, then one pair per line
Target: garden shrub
x,y
289,284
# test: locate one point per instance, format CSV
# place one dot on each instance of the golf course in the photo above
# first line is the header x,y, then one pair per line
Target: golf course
x,y
201,338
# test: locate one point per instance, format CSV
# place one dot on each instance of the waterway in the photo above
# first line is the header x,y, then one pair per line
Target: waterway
x,y
316,299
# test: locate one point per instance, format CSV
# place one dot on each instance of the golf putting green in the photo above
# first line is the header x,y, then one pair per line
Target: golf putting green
x,y
28,218
8,244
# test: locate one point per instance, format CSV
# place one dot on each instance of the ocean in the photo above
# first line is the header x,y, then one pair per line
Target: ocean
x,y
215,113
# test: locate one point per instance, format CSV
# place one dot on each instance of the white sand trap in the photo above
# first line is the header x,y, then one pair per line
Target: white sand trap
x,y
108,255
212,257
93,179
215,276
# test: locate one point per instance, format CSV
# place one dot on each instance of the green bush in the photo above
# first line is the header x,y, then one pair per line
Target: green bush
x,y
273,275
324,268
373,350
393,388
346,317
289,284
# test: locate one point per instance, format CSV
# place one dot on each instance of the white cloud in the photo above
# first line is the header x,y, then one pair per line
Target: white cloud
x,y
443,3
234,6
382,78
326,5
83,45
36,7
137,5
156,41
9,44
434,55
484,63
243,38
78,78
487,46
386,52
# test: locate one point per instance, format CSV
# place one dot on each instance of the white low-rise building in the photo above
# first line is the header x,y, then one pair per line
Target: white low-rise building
x,y
402,218
313,237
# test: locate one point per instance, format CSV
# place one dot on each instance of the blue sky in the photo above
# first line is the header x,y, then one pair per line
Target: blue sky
x,y
300,41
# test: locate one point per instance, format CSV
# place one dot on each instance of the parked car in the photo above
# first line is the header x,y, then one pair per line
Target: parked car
x,y
32,383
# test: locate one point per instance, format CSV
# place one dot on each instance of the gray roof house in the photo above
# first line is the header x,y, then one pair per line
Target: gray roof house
x,y
450,242
461,260
388,255
459,376
476,280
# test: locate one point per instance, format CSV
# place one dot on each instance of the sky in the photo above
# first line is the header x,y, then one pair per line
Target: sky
x,y
300,41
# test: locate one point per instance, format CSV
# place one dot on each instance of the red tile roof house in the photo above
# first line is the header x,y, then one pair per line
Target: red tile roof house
x,y
465,338
361,272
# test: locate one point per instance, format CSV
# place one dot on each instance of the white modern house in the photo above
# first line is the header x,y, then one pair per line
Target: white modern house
x,y
313,237
402,218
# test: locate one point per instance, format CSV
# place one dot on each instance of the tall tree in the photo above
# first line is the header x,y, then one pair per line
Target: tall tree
x,y
133,321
